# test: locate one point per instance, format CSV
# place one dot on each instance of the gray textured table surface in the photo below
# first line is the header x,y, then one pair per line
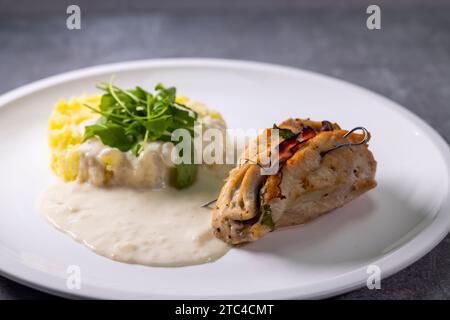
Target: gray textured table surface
x,y
407,61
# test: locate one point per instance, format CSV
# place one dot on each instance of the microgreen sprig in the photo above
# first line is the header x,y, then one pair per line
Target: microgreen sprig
x,y
131,118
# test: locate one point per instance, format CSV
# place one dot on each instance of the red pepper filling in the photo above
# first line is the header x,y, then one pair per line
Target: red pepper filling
x,y
287,148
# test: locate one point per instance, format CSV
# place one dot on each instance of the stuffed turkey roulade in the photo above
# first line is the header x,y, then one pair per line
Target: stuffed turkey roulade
x,y
320,168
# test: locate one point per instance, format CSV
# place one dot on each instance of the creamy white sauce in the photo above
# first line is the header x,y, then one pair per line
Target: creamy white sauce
x,y
165,227
101,165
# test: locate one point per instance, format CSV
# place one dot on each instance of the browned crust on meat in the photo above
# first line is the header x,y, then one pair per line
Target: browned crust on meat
x,y
309,184
314,184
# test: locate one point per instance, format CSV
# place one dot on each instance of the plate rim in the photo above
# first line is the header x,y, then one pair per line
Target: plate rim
x,y
396,260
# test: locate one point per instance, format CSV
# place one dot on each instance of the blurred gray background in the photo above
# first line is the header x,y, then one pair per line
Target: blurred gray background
x,y
408,61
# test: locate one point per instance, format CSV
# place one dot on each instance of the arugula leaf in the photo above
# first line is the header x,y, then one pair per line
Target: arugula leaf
x,y
107,101
111,135
184,175
284,133
158,126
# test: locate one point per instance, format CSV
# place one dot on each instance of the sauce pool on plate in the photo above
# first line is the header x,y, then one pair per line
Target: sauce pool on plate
x,y
162,227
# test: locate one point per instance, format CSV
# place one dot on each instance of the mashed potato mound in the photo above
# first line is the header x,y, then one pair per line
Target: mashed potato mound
x,y
65,133
93,162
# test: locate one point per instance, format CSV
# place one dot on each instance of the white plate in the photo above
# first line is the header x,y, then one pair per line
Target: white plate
x,y
391,226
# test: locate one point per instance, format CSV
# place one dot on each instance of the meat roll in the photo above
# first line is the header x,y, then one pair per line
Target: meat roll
x,y
314,176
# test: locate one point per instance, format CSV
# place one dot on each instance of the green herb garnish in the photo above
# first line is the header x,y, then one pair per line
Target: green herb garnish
x,y
284,133
111,135
131,118
266,213
184,175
